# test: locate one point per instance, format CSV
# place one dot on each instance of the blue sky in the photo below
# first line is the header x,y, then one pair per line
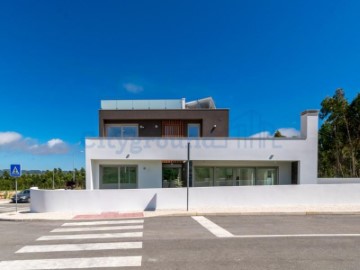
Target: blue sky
x,y
264,60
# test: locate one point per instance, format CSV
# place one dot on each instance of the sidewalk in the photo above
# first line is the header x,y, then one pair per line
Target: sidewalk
x,y
293,210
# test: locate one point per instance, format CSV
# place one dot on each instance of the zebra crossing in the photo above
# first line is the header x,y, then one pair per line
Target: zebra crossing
x,y
83,245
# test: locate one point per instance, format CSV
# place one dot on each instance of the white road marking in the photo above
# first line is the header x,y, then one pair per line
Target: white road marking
x,y
296,235
73,263
212,227
109,228
80,247
222,233
90,236
109,222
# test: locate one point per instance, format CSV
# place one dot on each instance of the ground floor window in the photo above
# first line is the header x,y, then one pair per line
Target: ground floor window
x,y
266,176
173,175
204,176
118,177
234,176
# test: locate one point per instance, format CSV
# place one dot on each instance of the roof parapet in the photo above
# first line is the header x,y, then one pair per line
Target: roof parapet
x,y
158,104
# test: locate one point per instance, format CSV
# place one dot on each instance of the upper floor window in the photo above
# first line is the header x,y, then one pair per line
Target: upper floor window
x,y
193,130
124,131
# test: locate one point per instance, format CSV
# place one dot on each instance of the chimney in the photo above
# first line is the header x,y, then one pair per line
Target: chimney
x,y
309,124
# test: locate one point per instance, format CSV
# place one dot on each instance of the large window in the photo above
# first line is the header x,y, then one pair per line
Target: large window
x,y
193,130
235,176
172,176
110,175
266,176
118,177
124,131
204,177
245,177
224,176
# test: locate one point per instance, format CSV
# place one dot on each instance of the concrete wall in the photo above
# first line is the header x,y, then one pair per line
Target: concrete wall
x,y
200,198
106,200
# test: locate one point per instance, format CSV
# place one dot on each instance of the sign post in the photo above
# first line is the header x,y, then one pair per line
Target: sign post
x,y
15,171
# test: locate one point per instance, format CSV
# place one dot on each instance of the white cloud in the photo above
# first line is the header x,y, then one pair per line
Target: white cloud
x,y
133,88
262,134
54,142
9,137
13,141
287,132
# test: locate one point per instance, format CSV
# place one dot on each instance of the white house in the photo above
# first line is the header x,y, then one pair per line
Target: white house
x,y
144,144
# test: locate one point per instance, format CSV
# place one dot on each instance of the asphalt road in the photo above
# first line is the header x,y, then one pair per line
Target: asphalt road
x,y
211,242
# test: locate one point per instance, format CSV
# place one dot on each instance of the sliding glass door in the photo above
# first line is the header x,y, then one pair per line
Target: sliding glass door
x,y
118,177
235,176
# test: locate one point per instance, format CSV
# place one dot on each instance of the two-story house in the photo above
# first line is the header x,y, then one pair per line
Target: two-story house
x,y
144,144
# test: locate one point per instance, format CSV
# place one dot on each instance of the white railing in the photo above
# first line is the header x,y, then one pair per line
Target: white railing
x,y
161,104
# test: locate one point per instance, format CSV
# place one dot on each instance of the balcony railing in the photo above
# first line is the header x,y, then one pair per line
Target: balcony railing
x,y
161,104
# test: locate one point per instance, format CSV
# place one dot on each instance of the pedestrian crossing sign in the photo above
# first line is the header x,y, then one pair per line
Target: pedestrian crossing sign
x,y
15,170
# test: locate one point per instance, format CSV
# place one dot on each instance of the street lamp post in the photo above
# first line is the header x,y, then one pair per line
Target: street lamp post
x,y
74,167
187,176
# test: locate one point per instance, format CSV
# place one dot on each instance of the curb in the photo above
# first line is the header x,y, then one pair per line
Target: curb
x,y
151,214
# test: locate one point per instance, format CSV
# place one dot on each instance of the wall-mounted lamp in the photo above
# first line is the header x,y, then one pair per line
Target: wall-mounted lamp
x,y
213,128
156,126
141,126
271,157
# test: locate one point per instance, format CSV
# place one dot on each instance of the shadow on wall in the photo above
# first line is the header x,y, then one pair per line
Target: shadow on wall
x,y
151,206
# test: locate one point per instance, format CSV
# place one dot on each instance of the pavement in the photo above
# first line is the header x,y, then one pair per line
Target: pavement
x,y
260,210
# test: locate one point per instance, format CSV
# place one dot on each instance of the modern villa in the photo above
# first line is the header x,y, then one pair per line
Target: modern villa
x,y
144,144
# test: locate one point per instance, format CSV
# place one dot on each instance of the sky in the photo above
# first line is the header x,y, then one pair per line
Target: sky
x,y
266,61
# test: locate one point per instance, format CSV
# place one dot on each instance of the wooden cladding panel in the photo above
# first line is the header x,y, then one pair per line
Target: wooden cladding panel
x,y
173,128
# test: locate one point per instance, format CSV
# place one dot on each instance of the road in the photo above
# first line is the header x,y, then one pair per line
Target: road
x,y
211,242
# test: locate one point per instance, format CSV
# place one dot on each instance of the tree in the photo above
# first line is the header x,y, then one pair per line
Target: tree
x,y
339,136
278,134
43,180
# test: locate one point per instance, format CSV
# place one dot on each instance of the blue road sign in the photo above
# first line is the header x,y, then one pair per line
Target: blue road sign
x,y
15,170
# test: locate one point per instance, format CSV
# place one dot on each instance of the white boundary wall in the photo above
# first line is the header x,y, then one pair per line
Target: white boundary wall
x,y
200,198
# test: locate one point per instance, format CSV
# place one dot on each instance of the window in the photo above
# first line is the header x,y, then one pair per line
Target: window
x,y
204,176
224,176
172,176
124,131
266,176
236,176
127,177
193,130
118,177
110,175
245,177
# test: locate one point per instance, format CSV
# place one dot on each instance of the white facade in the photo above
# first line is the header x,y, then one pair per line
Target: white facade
x,y
147,154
